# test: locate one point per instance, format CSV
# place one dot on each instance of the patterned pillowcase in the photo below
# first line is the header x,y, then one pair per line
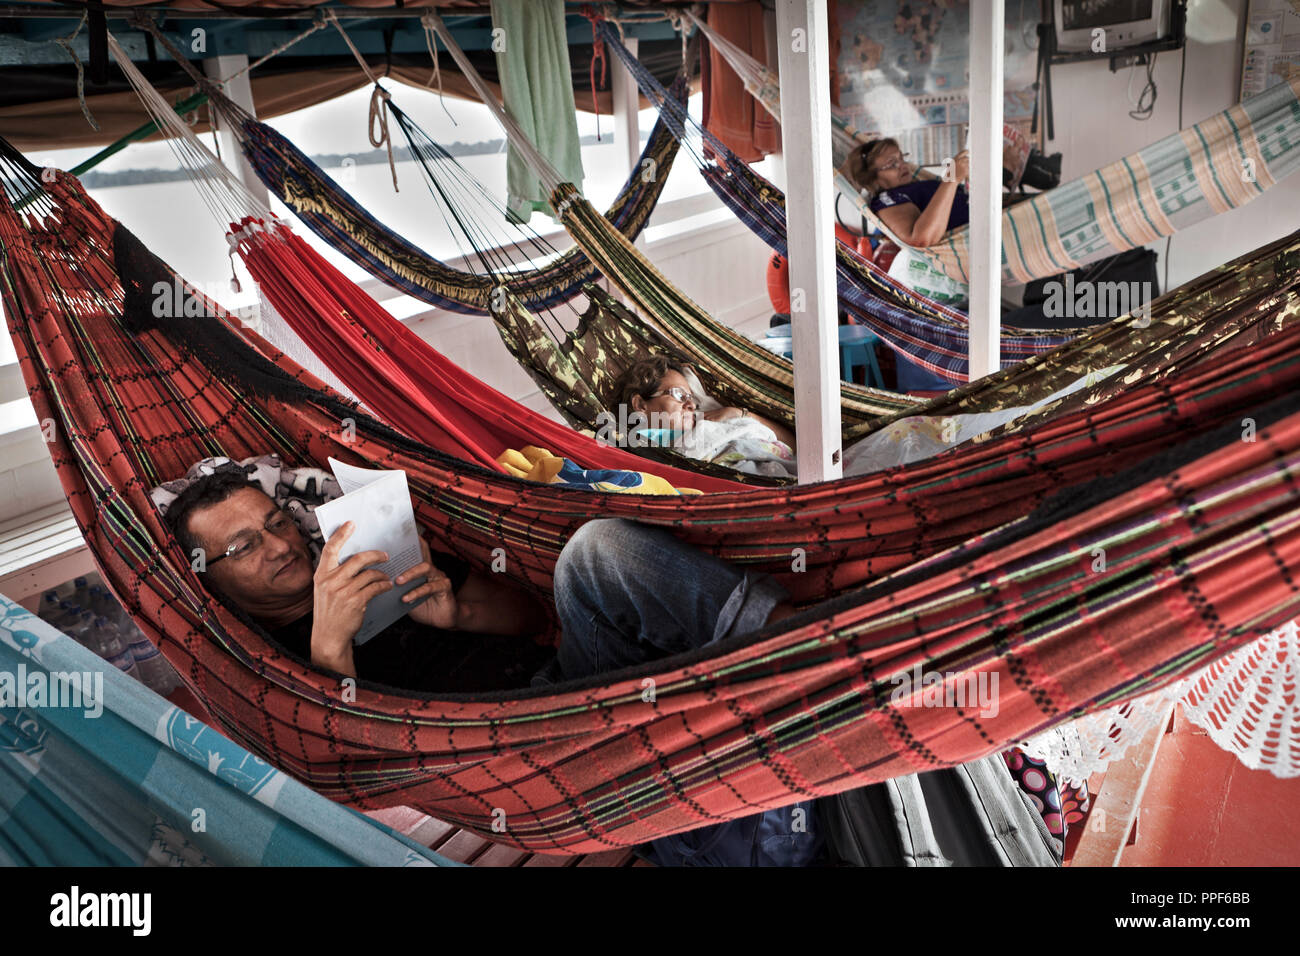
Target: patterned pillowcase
x,y
297,490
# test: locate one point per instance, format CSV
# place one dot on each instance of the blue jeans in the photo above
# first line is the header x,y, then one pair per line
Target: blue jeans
x,y
629,593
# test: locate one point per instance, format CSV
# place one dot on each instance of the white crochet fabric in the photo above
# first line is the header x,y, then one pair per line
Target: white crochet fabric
x,y
1246,702
1076,750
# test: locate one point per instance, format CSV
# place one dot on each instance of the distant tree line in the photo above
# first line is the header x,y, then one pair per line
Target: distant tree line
x,y
330,162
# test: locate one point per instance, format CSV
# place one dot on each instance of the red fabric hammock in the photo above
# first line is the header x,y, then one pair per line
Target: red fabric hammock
x,y
408,383
1200,529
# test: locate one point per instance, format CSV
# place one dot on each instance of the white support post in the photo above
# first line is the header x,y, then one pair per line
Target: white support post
x,y
803,48
627,100
987,21
241,91
627,127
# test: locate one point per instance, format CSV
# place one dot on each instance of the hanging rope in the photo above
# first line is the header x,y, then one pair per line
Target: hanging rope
x,y
214,123
679,22
319,24
379,121
66,43
377,126
431,42
597,56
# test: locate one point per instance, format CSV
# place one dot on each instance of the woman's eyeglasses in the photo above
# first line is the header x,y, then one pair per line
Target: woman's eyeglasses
x,y
893,163
681,394
279,524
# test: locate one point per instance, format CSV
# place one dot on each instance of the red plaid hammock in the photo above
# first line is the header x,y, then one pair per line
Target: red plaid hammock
x,y
412,385
981,561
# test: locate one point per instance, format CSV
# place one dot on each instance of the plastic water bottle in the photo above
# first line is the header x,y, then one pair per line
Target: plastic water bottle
x,y
79,626
102,602
101,637
84,630
109,607
153,669
49,606
116,650
140,658
69,613
64,590
56,611
81,591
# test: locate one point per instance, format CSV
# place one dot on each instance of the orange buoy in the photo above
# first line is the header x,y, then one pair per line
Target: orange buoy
x,y
778,270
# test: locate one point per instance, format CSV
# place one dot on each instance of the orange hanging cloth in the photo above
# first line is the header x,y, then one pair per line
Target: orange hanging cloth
x,y
730,112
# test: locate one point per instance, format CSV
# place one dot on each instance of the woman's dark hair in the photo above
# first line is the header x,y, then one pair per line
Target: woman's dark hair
x,y
209,490
642,378
858,168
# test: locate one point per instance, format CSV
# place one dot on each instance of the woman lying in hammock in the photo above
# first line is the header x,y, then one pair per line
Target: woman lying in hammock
x,y
919,211
656,398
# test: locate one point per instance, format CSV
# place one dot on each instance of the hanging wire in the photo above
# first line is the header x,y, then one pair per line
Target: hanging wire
x,y
66,44
1146,101
467,206
23,183
213,124
539,164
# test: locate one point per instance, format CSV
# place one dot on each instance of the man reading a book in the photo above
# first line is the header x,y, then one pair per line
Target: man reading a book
x,y
625,594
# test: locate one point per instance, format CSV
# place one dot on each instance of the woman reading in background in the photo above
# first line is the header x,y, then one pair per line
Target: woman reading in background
x,y
919,211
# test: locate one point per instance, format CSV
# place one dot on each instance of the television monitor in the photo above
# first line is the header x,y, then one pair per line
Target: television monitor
x,y
1126,23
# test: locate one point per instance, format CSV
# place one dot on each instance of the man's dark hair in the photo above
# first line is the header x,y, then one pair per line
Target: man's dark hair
x,y
209,490
642,378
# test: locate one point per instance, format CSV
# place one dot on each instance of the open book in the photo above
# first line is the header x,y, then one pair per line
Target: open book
x,y
378,503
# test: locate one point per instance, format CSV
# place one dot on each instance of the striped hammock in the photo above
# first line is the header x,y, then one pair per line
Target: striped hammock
x,y
930,334
113,778
343,222
1221,163
1217,165
980,561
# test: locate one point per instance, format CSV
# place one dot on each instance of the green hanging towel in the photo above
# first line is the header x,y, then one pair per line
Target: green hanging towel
x,y
537,88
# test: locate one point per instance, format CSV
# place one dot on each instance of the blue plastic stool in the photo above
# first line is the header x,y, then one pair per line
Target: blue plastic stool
x,y
858,350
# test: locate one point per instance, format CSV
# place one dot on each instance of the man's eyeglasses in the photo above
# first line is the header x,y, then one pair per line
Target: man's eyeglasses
x,y
893,163
681,394
279,524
